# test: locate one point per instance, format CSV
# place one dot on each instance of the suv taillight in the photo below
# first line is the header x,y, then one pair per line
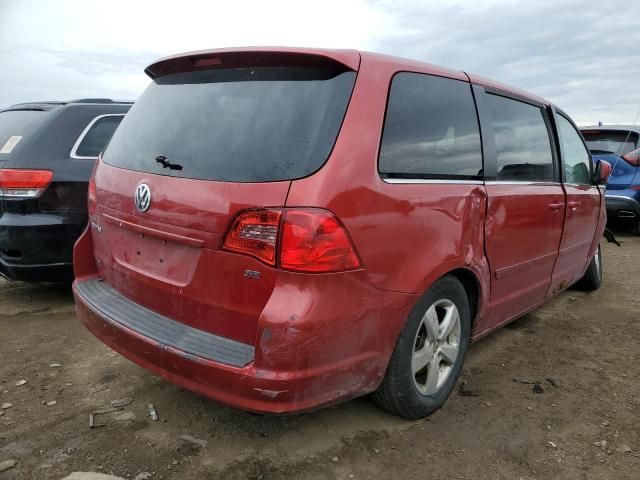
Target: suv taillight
x,y
20,183
301,239
91,196
632,158
91,190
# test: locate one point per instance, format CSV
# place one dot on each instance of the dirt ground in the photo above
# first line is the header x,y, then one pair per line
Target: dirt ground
x,y
583,349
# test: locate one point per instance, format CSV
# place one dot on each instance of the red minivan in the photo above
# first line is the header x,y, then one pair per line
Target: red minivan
x,y
281,229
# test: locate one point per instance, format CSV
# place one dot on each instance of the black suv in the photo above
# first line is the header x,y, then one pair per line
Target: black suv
x,y
47,154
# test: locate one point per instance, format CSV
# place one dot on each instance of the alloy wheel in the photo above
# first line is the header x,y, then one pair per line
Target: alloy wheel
x,y
436,346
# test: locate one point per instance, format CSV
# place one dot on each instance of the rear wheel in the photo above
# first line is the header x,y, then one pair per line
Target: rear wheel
x,y
592,278
429,353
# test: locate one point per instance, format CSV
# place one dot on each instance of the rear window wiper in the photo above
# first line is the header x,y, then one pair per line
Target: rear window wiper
x,y
161,159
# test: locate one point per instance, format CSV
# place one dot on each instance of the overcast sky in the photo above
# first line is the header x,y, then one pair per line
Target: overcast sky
x,y
582,55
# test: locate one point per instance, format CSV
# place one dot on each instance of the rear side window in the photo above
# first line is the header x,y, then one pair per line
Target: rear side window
x,y
523,148
239,125
612,142
430,130
15,127
575,156
95,137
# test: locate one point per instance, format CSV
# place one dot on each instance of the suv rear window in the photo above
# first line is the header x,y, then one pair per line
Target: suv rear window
x,y
15,125
617,143
96,136
239,125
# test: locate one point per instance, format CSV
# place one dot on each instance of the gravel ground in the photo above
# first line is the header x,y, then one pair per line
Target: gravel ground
x,y
582,349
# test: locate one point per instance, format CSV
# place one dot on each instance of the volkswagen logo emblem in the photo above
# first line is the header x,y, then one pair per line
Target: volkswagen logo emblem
x,y
142,197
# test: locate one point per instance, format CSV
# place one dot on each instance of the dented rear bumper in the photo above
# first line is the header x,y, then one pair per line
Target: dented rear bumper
x,y
306,354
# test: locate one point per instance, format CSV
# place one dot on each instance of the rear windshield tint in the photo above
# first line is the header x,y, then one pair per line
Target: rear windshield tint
x,y
15,127
238,125
617,143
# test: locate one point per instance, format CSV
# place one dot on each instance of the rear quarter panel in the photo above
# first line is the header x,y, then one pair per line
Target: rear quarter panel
x,y
407,235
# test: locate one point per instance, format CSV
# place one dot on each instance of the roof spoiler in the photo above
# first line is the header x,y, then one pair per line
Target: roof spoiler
x,y
238,58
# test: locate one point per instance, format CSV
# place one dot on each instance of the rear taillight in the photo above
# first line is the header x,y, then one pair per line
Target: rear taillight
x,y
632,158
255,233
20,183
91,196
313,240
301,239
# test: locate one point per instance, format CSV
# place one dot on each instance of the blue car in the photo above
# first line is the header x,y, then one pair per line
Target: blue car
x,y
619,145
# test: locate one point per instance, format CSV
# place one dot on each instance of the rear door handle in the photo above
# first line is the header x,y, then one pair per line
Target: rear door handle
x,y
573,205
556,205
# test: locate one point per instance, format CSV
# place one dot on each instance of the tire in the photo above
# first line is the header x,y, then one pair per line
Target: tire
x,y
592,278
416,395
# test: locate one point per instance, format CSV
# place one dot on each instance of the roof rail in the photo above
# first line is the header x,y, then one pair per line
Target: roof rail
x,y
51,104
46,102
98,100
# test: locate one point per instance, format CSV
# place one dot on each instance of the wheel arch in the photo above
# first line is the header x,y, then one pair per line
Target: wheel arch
x,y
471,285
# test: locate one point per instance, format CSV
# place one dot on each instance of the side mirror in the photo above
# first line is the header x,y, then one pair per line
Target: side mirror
x,y
601,172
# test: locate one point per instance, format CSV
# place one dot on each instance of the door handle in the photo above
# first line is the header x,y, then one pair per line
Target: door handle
x,y
573,205
556,205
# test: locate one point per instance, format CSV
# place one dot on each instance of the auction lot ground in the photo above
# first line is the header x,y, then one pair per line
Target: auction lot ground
x,y
587,345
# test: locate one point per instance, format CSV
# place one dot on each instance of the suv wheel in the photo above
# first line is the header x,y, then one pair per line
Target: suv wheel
x,y
429,353
592,278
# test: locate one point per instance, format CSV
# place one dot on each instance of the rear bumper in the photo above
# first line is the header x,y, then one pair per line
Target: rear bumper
x,y
38,246
620,206
296,364
51,272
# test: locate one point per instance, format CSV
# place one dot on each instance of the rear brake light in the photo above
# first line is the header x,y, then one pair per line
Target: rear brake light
x,y
633,158
19,183
91,196
91,192
313,240
255,233
301,239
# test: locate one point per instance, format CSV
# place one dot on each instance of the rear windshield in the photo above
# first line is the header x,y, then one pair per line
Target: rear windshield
x,y
96,137
238,125
617,143
15,127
